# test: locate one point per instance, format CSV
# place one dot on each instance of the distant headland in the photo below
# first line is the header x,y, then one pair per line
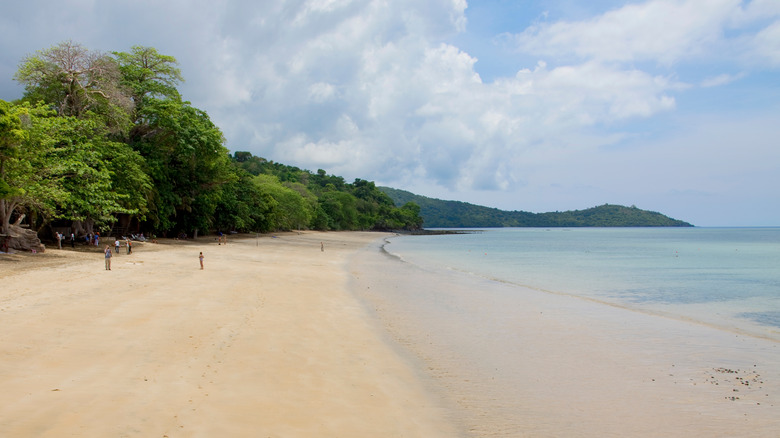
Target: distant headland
x,y
437,213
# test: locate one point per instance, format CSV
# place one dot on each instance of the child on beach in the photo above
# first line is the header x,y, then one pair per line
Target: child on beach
x,y
200,257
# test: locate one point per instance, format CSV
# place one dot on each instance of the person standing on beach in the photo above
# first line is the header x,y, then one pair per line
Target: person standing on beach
x,y
322,247
129,246
116,245
108,257
72,240
200,257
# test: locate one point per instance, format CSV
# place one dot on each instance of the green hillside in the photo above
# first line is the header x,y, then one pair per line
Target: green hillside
x,y
437,213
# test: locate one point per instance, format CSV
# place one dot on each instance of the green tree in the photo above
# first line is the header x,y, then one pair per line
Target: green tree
x,y
148,75
243,206
27,171
341,209
188,163
99,177
77,81
291,211
184,151
374,206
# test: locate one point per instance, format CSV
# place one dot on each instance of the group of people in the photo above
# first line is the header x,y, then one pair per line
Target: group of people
x,y
92,239
89,239
61,237
109,254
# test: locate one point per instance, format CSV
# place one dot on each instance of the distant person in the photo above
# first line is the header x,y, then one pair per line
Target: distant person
x,y
116,245
322,247
200,257
108,257
72,240
97,239
59,240
129,246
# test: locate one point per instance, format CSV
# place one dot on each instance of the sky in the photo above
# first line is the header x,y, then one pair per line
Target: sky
x,y
534,105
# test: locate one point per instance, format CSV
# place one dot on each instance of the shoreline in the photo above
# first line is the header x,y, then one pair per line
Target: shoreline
x,y
267,340
279,338
515,361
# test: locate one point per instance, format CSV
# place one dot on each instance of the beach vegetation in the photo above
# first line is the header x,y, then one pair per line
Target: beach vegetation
x,y
77,82
97,137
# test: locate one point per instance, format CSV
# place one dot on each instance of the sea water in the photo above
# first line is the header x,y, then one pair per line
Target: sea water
x,y
724,277
587,331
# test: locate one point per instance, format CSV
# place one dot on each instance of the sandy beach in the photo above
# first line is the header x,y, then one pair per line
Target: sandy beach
x,y
277,337
266,341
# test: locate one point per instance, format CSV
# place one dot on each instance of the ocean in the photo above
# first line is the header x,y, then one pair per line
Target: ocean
x,y
587,332
725,277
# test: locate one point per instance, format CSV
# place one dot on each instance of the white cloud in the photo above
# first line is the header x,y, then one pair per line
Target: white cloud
x,y
321,92
665,32
379,90
766,44
659,31
722,79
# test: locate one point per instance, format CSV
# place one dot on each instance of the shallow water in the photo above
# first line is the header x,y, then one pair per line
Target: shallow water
x,y
567,358
729,277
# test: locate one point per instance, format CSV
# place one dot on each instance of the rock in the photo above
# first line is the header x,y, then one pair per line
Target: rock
x,y
24,240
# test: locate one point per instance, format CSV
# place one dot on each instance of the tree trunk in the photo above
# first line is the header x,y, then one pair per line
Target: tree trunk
x,y
78,228
6,208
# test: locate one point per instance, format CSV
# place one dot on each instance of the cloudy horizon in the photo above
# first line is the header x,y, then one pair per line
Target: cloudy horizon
x,y
669,105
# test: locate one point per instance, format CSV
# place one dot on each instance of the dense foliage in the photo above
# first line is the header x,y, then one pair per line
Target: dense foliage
x,y
325,202
455,214
99,139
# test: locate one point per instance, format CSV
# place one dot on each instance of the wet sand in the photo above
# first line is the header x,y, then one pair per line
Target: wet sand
x,y
516,362
266,341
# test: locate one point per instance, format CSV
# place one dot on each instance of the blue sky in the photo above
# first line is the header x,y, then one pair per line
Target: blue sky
x,y
669,105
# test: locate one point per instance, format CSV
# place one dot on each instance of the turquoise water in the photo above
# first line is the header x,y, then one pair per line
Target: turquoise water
x,y
726,277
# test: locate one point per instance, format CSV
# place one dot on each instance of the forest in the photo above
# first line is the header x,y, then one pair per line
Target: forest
x,y
104,142
455,214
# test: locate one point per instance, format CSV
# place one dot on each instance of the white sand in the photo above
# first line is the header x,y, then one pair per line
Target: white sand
x,y
266,341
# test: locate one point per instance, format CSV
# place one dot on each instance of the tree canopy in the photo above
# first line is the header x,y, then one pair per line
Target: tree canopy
x,y
96,137
76,81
